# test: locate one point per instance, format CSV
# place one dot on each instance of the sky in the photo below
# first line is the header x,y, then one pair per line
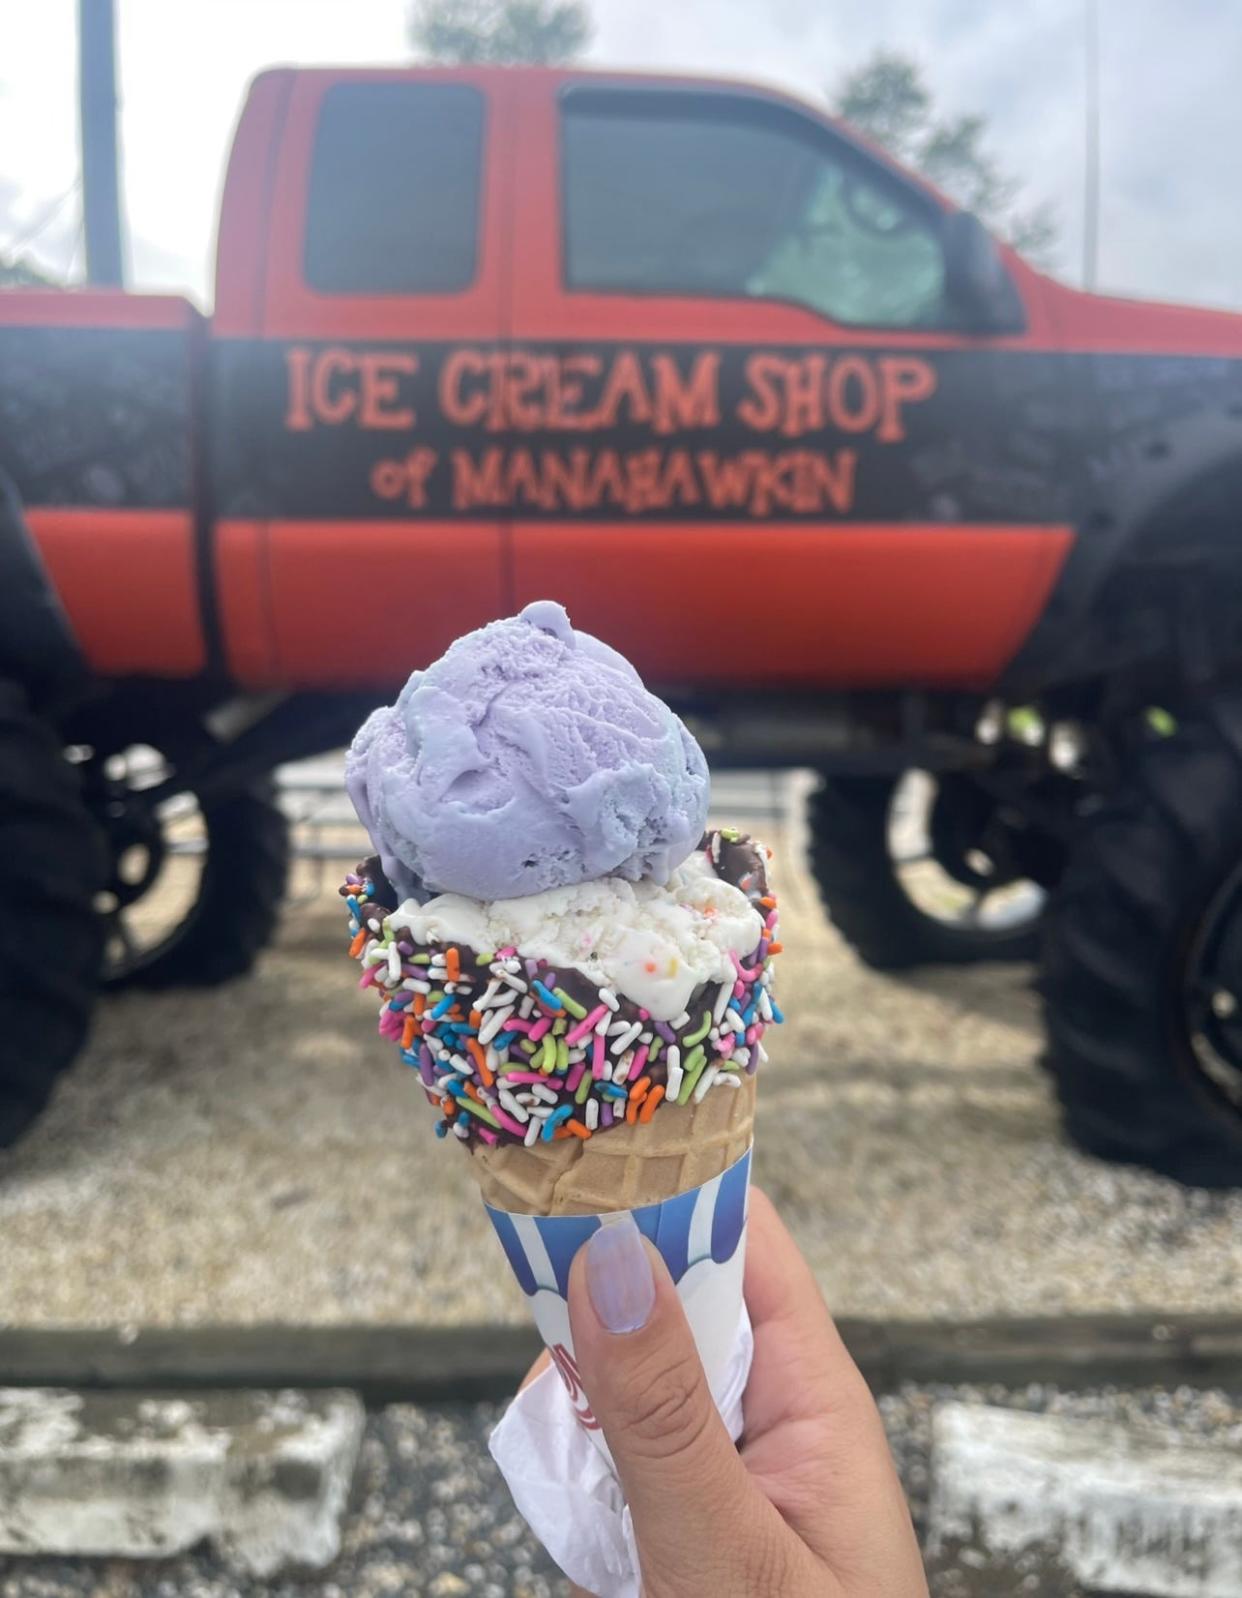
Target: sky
x,y
1171,117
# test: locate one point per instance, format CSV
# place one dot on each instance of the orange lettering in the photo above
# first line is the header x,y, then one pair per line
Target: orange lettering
x,y
764,411
418,464
644,490
477,483
904,380
523,379
625,382
391,479
770,481
690,402
566,483
804,396
497,365
566,391
679,479
829,476
726,479
379,388
329,409
455,406
298,417
606,480
388,479
522,483
853,369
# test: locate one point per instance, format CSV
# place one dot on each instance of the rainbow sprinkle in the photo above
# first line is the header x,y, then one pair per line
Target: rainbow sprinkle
x,y
510,1050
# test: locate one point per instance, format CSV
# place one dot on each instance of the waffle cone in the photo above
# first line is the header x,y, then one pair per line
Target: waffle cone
x,y
624,1167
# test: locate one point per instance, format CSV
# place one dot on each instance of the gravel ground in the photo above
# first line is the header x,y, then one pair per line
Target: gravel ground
x,y
431,1518
254,1154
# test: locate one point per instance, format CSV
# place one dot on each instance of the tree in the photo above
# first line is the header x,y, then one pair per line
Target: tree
x,y
487,32
887,99
17,267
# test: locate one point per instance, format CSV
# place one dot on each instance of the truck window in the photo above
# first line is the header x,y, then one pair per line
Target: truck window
x,y
671,193
395,173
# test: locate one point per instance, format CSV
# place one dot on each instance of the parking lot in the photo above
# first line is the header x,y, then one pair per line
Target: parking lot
x,y
254,1153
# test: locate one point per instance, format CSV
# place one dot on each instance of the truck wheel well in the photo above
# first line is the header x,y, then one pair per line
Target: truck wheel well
x,y
1200,515
1169,604
1147,594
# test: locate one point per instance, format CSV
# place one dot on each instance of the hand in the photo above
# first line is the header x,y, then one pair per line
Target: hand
x,y
809,1505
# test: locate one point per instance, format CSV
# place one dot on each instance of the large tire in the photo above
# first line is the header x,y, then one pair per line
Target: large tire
x,y
1118,958
239,901
852,862
52,863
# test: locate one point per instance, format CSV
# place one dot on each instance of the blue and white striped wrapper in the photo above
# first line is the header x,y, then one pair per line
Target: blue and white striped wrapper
x,y
701,1236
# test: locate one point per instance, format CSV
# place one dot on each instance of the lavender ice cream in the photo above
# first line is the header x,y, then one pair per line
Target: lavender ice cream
x,y
528,757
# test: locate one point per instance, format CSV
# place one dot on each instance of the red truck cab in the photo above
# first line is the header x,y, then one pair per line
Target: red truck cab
x,y
505,379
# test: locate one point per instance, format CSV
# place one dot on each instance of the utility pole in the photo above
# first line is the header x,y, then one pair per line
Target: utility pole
x,y
1091,145
101,183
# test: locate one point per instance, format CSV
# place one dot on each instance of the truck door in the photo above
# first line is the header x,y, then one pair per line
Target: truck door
x,y
761,445
339,562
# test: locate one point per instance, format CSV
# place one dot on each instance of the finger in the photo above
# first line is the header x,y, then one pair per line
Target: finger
x,y
537,1369
802,1374
784,1301
806,1401
802,1370
641,1372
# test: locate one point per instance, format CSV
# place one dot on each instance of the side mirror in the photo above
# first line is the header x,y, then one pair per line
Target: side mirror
x,y
979,289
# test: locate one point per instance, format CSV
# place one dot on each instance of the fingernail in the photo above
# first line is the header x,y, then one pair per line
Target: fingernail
x,y
618,1275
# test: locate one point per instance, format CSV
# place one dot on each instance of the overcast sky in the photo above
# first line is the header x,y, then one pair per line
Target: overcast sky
x,y
1171,110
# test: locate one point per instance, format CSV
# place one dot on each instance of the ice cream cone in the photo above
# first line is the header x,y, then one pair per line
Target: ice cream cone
x,y
576,968
632,1166
682,1178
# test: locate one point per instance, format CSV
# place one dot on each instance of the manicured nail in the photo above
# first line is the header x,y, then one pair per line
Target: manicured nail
x,y
619,1278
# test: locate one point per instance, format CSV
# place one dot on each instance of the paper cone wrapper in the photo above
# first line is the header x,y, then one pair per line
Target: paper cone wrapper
x,y
636,1172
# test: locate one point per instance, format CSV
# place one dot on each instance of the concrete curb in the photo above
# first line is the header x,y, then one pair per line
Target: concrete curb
x,y
264,1477
1128,1508
389,1364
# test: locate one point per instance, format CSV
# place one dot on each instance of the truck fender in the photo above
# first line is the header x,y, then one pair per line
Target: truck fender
x,y
1173,490
1175,485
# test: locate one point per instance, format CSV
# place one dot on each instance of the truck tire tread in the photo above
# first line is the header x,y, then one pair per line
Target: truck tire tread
x,y
858,884
52,863
1143,868
239,901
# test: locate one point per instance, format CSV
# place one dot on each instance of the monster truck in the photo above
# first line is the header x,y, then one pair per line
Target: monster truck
x,y
856,487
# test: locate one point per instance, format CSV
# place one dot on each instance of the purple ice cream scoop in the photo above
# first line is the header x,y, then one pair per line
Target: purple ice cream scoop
x,y
529,756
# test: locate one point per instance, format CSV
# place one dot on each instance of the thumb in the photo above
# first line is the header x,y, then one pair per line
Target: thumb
x,y
641,1372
